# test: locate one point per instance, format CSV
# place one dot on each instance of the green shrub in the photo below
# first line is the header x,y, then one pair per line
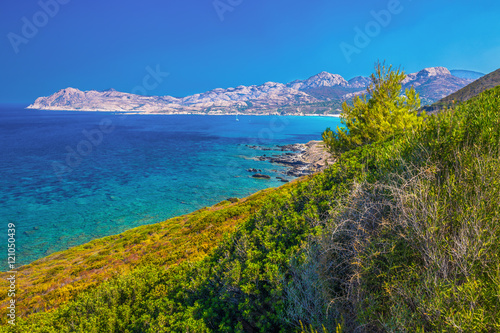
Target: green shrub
x,y
380,114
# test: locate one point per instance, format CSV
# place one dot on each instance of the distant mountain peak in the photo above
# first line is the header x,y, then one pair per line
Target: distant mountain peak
x,y
359,82
69,90
328,77
271,84
425,74
434,71
323,79
325,75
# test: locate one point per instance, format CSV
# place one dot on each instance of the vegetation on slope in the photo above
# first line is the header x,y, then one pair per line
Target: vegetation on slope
x,y
402,234
46,283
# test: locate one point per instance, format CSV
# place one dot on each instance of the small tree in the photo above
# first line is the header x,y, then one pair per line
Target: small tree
x,y
383,113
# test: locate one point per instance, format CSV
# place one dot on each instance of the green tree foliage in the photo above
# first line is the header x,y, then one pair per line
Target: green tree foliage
x,y
379,114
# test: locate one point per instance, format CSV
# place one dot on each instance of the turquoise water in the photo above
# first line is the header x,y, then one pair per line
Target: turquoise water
x,y
70,177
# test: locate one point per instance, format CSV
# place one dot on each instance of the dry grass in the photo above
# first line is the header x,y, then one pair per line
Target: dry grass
x,y
416,251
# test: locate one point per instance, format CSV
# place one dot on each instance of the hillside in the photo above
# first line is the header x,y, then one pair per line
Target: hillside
x,y
322,93
50,281
488,81
400,235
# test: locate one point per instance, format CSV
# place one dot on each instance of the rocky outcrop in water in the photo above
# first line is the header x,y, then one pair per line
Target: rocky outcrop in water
x,y
306,158
261,176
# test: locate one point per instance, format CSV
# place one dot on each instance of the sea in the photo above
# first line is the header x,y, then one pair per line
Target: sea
x,y
67,177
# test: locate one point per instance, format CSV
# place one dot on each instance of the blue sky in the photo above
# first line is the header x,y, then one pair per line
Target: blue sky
x,y
114,44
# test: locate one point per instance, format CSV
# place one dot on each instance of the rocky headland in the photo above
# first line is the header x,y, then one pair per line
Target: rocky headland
x,y
301,158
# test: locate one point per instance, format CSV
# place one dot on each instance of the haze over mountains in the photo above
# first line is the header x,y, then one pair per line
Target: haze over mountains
x,y
464,74
320,94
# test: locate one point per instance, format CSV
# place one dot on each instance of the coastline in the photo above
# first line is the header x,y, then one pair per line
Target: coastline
x,y
190,113
301,159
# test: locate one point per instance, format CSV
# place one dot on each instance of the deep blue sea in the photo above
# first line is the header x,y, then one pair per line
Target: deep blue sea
x,y
70,177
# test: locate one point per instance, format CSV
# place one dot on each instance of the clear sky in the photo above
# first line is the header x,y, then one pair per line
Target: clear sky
x,y
48,45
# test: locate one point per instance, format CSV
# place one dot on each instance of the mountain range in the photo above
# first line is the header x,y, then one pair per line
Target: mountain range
x,y
322,93
485,82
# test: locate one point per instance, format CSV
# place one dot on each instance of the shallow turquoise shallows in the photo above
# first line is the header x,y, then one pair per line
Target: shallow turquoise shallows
x,y
70,177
